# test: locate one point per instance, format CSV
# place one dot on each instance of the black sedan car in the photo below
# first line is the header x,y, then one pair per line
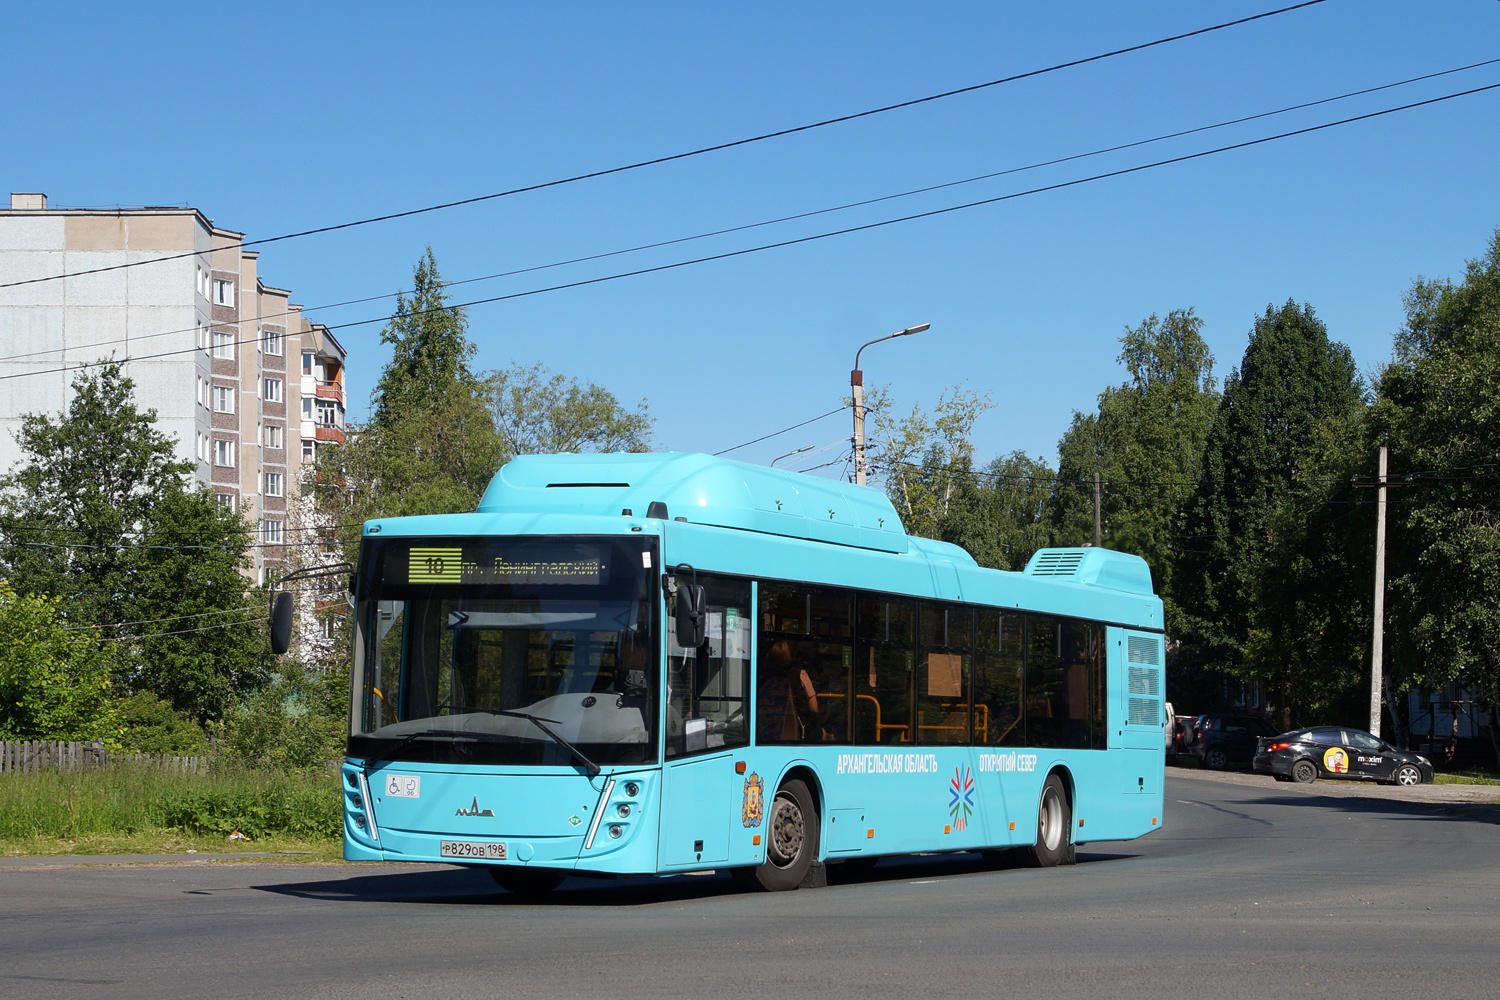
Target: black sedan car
x,y
1326,752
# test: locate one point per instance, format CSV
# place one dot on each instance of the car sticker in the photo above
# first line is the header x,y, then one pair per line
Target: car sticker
x,y
1336,761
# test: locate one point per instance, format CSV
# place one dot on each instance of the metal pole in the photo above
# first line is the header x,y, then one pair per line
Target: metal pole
x,y
1098,515
1377,639
857,383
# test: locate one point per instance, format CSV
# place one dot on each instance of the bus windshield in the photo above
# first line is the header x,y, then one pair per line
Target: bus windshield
x,y
507,650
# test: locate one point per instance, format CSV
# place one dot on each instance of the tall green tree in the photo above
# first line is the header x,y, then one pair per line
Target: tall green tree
x,y
1286,422
1000,514
1145,441
100,517
439,431
1439,410
537,411
431,349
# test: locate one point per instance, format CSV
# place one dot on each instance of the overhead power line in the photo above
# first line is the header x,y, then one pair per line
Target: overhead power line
x,y
729,254
813,213
718,147
767,437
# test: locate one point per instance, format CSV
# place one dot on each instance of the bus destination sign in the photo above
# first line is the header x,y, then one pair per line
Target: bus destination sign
x,y
483,566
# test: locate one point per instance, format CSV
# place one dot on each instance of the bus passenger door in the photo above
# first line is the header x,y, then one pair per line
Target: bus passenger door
x,y
697,800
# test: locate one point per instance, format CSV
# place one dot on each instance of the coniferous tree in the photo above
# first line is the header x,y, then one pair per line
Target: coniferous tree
x,y
1283,430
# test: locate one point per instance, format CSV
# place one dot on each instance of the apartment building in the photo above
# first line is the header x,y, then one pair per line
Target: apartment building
x,y
246,386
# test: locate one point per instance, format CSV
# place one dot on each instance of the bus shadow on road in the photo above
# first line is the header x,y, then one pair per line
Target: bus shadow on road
x,y
473,887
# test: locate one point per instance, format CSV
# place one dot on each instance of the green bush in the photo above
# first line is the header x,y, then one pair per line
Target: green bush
x,y
150,725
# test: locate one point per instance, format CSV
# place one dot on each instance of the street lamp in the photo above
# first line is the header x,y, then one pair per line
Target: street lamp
x,y
857,383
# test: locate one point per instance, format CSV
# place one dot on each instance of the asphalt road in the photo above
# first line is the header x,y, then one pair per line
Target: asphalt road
x,y
1252,889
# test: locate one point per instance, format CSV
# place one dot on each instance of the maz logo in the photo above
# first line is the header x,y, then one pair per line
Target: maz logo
x,y
474,810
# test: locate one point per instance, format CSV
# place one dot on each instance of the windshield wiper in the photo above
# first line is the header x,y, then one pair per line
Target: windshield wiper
x,y
541,724
389,751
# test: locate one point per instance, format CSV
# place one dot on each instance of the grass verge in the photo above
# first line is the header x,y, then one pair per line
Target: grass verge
x,y
1465,779
138,811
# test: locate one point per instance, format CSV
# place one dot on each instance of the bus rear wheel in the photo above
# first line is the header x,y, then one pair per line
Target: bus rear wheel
x,y
526,881
791,841
1054,822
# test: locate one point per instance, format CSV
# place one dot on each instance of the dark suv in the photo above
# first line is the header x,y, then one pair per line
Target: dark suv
x,y
1222,738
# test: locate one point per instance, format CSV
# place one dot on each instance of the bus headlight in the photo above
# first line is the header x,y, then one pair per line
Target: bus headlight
x,y
615,831
624,810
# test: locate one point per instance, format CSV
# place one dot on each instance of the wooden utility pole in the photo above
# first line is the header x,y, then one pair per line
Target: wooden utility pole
x,y
1098,516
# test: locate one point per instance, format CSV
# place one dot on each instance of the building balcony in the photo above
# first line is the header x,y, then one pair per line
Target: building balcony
x,y
335,434
331,390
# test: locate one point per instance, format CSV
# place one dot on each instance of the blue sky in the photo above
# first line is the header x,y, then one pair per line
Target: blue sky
x,y
290,116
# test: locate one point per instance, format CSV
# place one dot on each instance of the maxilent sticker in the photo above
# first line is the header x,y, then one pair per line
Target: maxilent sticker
x,y
646,559
403,786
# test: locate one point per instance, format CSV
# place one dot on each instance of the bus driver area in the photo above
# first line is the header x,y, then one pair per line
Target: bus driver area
x,y
647,664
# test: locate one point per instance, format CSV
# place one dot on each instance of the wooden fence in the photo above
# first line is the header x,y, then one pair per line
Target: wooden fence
x,y
35,756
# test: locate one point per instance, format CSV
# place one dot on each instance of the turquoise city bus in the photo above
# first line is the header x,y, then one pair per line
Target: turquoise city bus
x,y
657,663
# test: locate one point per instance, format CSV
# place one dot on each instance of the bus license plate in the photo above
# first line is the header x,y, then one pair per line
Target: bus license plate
x,y
486,849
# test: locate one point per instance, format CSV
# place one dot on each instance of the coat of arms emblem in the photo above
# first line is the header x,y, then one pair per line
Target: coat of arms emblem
x,y
753,809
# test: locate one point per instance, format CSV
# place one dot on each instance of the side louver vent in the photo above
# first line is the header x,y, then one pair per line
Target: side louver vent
x,y
1139,649
1057,563
1146,681
1144,712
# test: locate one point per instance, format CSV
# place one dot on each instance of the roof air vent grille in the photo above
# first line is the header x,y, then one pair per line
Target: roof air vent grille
x,y
1057,563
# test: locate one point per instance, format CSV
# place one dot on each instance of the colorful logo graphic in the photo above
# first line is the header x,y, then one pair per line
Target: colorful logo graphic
x,y
961,798
752,810
1336,761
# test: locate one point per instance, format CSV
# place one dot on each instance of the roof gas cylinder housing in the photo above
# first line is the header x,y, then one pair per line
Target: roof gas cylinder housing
x,y
702,489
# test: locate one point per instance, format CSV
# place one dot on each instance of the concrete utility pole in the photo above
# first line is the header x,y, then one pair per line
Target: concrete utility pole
x,y
857,384
1098,513
1377,639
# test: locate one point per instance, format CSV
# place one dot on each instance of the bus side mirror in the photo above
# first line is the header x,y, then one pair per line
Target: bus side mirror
x,y
692,623
281,623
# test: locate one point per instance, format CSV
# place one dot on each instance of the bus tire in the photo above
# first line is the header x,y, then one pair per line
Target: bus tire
x,y
792,827
526,881
1054,823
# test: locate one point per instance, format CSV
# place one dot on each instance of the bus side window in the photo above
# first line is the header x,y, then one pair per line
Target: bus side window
x,y
998,668
943,660
708,688
885,658
802,680
1061,677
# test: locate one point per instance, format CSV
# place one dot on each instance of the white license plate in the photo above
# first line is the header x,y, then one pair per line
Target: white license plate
x,y
487,849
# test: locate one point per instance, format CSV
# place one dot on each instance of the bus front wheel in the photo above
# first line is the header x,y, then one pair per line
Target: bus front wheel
x,y
791,841
1053,824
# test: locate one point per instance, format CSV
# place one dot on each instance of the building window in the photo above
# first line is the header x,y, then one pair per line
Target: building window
x,y
223,399
273,484
202,283
307,362
273,390
226,500
224,453
327,624
223,292
202,335
271,342
328,415
307,408
273,531
275,436
224,344
307,451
